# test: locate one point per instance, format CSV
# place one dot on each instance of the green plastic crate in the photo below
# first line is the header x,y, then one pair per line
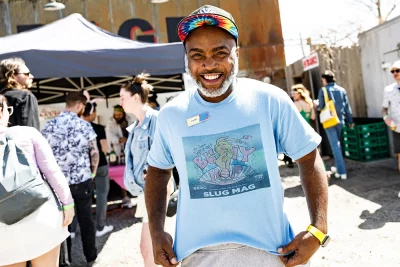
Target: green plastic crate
x,y
373,142
373,127
350,140
375,156
352,155
371,135
373,150
350,146
366,141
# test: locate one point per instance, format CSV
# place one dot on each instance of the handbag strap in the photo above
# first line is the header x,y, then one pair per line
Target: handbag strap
x,y
325,95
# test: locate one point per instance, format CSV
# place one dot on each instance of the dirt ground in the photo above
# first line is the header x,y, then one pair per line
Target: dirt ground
x,y
364,220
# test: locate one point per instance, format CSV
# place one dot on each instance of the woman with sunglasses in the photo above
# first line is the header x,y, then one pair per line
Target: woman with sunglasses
x,y
15,81
303,102
134,99
37,237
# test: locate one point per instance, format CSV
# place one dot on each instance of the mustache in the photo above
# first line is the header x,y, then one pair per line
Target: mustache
x,y
211,72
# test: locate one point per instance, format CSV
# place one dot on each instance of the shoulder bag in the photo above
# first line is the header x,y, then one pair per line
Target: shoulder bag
x,y
328,115
22,188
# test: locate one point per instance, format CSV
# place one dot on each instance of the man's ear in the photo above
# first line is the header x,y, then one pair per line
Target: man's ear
x,y
237,51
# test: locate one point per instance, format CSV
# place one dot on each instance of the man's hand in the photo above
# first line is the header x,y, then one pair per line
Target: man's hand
x,y
304,245
122,140
388,121
162,249
351,125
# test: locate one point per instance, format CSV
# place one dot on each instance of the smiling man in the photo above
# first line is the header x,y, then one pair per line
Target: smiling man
x,y
224,137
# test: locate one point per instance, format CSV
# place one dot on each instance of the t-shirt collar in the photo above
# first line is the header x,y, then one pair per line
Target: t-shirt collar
x,y
227,100
69,113
145,122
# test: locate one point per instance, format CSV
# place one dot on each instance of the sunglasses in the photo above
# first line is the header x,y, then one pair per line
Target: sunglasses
x,y
10,110
25,73
397,71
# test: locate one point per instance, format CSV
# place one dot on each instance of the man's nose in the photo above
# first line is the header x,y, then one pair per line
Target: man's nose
x,y
209,63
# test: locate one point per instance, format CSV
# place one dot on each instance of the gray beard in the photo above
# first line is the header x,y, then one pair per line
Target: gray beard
x,y
225,85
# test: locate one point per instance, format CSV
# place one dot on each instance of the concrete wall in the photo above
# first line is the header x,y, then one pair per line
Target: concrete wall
x,y
378,46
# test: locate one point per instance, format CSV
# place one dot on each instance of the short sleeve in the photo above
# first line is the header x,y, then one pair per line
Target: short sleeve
x,y
296,138
160,153
386,102
101,133
49,167
89,132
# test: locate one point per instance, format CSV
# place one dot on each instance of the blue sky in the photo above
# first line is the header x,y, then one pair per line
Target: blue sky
x,y
313,18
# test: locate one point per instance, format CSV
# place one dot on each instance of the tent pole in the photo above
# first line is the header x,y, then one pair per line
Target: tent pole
x,y
91,83
73,83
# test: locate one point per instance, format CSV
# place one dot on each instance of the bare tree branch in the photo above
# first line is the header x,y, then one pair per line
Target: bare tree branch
x,y
390,12
371,5
376,8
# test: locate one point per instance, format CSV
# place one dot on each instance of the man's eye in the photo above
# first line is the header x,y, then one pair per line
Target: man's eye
x,y
197,55
221,53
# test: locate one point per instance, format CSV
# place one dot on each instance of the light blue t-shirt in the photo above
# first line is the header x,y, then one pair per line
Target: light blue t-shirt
x,y
230,186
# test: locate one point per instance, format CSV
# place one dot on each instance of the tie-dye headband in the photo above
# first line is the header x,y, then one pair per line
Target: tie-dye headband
x,y
190,23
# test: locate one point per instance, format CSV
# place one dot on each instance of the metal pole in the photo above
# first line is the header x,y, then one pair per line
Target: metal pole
x,y
301,43
313,97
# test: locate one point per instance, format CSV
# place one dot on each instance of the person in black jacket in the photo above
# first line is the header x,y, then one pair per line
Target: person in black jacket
x,y
15,81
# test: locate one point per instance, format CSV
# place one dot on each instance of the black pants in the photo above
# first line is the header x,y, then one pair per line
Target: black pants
x,y
82,195
287,159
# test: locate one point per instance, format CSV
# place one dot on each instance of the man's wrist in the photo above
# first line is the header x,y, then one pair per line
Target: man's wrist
x,y
322,237
322,227
156,229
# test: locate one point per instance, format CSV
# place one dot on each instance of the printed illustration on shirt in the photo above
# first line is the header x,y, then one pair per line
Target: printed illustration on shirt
x,y
226,164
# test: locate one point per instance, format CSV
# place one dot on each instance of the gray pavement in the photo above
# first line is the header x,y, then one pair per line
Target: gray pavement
x,y
364,220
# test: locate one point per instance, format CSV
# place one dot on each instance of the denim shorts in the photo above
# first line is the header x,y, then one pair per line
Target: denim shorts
x,y
232,255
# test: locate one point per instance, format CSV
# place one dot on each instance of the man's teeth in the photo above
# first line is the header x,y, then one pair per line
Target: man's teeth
x,y
211,77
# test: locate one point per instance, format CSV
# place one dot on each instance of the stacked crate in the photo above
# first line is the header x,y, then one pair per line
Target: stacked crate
x,y
365,142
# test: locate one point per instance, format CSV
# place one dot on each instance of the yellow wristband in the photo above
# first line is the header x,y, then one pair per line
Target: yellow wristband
x,y
317,233
67,207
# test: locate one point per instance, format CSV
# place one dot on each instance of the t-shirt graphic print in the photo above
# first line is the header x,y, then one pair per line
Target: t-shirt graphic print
x,y
226,164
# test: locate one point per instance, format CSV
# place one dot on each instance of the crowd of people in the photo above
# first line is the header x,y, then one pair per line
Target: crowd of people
x,y
307,108
71,151
218,137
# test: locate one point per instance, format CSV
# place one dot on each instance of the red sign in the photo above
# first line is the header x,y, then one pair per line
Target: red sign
x,y
310,62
